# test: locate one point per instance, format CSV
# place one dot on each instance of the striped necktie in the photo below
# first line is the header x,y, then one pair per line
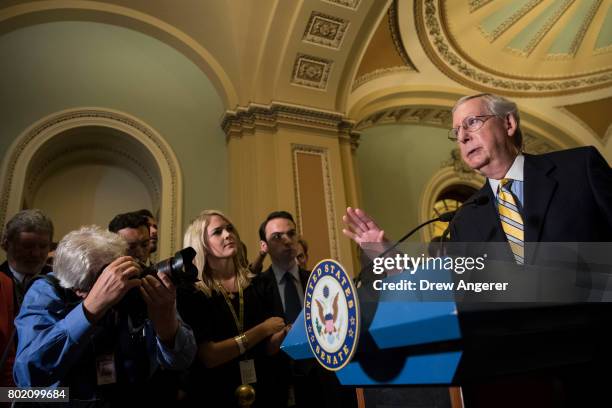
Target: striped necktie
x,y
511,220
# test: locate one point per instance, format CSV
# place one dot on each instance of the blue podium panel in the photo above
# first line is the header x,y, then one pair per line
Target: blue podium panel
x,y
399,324
407,317
420,369
296,343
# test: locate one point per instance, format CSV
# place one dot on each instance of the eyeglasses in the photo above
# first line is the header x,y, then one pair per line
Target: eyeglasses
x,y
469,124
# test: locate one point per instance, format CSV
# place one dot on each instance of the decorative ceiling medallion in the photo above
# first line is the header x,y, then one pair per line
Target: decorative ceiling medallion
x,y
464,59
325,30
566,46
498,22
310,71
532,35
352,4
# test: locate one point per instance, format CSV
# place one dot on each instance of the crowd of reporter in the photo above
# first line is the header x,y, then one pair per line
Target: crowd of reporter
x,y
96,315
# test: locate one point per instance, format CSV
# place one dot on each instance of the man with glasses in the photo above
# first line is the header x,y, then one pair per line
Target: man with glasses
x,y
284,283
564,196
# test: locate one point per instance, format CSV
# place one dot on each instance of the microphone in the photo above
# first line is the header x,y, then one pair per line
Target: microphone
x,y
444,217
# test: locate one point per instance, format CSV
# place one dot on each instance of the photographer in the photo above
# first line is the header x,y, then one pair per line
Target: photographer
x,y
73,334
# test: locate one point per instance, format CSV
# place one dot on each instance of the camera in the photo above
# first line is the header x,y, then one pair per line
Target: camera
x,y
179,268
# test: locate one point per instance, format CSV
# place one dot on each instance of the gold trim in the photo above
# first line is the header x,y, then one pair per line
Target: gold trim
x,y
458,69
535,40
476,4
413,115
396,37
338,24
381,72
245,119
508,22
98,117
327,191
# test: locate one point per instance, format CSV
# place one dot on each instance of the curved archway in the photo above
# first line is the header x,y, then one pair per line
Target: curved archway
x,y
22,15
126,136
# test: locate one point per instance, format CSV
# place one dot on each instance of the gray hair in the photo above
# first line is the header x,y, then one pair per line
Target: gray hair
x,y
81,255
27,221
500,107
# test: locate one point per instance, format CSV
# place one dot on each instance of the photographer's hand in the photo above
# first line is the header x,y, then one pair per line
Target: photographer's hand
x,y
160,296
110,287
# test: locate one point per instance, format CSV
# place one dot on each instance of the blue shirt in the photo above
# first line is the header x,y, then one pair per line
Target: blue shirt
x,y
55,338
516,172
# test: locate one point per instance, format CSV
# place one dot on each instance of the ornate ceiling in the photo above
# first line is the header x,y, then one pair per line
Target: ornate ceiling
x,y
519,47
357,59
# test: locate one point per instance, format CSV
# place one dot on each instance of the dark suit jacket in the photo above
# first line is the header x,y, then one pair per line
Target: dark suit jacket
x,y
270,288
567,198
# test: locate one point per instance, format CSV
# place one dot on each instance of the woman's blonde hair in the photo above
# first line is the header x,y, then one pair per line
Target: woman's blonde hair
x,y
197,238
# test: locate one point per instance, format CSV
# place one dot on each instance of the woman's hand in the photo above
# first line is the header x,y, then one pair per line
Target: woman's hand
x,y
273,325
275,341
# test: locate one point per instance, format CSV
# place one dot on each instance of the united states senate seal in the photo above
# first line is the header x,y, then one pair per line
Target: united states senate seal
x,y
331,315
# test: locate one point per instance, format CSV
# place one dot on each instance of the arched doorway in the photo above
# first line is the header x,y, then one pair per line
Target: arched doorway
x,y
85,165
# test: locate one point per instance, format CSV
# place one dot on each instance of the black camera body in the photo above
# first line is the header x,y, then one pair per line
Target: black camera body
x,y
179,268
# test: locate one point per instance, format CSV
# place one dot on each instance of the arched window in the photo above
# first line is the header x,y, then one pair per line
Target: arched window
x,y
450,199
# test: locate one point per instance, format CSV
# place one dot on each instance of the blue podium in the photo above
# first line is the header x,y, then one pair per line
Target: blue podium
x,y
408,340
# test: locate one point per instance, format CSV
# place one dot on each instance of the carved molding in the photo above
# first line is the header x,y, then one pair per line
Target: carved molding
x,y
378,73
246,119
80,154
533,144
325,30
311,72
537,37
476,4
327,191
396,37
580,34
509,20
19,156
350,4
461,170
431,116
431,33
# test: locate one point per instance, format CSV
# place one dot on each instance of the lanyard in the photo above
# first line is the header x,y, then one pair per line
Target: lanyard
x,y
239,321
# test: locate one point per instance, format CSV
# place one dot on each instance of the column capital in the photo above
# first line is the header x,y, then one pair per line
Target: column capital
x,y
247,119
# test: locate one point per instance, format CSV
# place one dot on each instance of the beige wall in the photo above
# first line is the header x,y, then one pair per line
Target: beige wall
x,y
89,194
56,66
395,162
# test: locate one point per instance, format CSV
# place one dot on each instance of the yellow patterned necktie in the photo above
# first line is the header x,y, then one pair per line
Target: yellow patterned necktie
x,y
511,220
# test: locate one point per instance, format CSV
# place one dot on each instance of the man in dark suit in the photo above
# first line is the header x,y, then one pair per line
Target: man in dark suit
x,y
284,283
278,237
564,196
26,239
568,193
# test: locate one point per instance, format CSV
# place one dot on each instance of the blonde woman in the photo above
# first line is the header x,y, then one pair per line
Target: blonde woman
x,y
233,325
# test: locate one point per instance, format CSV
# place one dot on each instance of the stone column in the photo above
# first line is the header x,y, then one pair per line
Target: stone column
x,y
285,157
